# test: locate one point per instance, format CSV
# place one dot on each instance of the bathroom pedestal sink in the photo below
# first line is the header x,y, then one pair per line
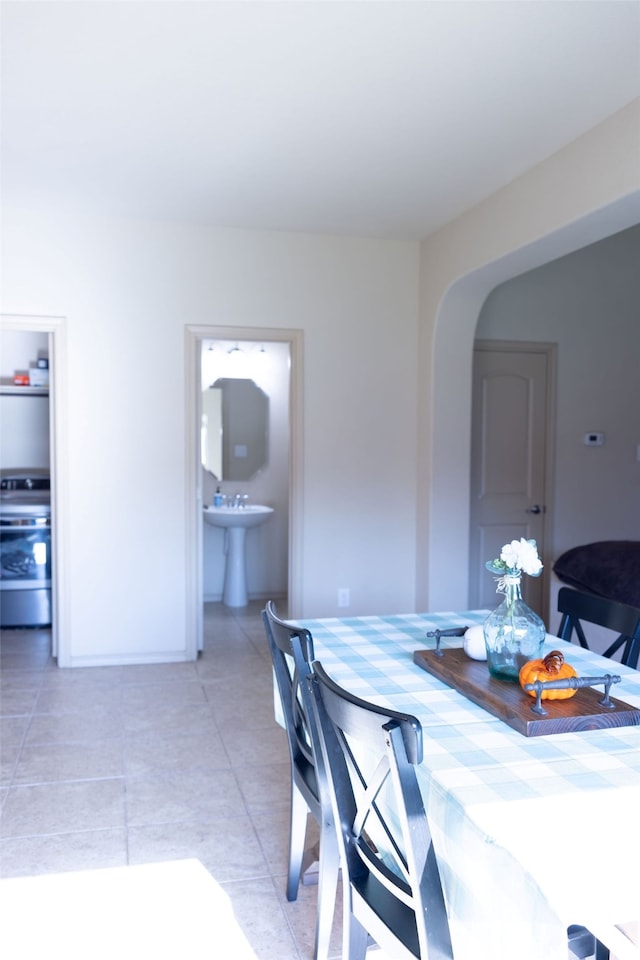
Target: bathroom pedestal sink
x,y
235,521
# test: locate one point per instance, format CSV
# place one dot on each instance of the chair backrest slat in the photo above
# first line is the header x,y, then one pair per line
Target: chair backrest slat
x,y
289,677
291,648
370,753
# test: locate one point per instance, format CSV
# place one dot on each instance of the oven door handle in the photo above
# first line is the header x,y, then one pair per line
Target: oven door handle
x,y
7,522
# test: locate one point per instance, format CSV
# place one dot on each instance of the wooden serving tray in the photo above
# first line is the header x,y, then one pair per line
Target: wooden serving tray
x,y
510,703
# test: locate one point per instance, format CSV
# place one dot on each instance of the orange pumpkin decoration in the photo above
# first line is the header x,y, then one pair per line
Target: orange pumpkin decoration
x,y
551,667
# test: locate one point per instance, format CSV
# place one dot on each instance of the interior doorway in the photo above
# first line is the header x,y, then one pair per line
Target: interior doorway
x,y
50,335
199,481
511,460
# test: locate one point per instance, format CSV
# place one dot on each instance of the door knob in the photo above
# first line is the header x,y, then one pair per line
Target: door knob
x,y
536,508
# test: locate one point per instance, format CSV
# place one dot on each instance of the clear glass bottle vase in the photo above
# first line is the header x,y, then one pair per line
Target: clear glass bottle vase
x,y
513,633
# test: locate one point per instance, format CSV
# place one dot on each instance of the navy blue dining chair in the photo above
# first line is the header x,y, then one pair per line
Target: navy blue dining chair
x,y
579,608
291,650
390,879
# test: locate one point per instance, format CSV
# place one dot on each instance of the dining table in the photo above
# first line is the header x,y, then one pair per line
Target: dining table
x,y
531,833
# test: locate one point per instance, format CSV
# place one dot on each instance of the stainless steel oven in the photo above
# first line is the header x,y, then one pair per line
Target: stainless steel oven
x,y
25,548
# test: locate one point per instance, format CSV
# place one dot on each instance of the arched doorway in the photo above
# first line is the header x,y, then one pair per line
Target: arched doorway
x,y
443,513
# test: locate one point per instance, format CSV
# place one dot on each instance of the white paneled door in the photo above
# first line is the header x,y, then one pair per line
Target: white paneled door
x,y
510,425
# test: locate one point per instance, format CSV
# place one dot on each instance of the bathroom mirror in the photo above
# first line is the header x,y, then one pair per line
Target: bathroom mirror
x,y
235,429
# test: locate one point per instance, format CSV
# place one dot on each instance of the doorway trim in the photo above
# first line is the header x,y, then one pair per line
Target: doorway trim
x,y
194,335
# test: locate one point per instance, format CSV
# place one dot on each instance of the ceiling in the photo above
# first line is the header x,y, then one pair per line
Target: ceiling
x,y
383,119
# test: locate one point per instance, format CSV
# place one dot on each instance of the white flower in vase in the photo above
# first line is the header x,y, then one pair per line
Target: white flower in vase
x,y
513,632
518,557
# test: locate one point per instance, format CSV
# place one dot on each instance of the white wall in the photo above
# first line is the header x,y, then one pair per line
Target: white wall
x,y
381,514
585,192
127,290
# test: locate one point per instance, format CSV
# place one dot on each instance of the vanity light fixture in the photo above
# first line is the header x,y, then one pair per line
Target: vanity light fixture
x,y
237,361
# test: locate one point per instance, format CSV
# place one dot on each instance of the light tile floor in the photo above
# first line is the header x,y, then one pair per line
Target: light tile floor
x,y
108,766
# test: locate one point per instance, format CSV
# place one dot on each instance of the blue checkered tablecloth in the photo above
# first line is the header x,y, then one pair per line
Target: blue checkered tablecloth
x,y
531,833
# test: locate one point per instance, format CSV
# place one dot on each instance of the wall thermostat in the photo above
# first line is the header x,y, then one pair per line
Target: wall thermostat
x,y
593,439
